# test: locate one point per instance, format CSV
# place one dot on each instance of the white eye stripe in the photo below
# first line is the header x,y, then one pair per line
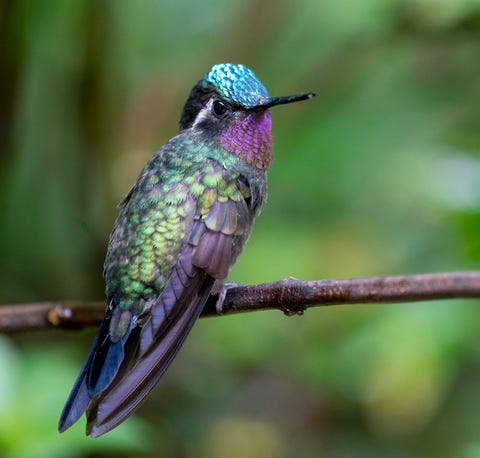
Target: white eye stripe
x,y
203,113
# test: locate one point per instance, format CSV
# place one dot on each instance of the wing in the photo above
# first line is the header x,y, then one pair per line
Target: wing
x,y
219,228
121,370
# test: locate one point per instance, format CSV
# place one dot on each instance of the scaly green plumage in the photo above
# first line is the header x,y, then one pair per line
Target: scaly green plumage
x,y
157,216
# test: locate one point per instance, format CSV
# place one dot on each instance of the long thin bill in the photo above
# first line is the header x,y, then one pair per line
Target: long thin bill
x,y
272,101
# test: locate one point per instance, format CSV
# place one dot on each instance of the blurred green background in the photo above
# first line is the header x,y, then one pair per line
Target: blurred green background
x,y
378,175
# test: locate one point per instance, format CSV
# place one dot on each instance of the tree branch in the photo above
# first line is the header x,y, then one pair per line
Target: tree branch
x,y
290,296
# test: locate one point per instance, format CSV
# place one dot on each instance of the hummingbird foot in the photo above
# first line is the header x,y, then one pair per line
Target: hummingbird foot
x,y
222,289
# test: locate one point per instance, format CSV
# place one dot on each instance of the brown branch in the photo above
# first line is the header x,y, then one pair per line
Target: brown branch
x,y
290,296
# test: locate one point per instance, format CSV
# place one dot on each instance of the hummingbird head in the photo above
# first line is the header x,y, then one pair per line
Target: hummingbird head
x,y
231,103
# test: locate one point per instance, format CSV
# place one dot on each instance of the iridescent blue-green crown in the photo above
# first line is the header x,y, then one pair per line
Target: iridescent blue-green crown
x,y
237,84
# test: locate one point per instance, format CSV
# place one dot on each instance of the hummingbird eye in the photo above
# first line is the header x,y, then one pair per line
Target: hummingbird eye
x,y
219,108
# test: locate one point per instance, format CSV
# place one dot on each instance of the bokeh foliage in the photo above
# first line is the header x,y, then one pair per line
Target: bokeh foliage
x,y
378,175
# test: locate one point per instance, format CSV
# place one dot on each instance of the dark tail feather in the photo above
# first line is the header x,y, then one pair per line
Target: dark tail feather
x,y
104,365
76,404
99,369
120,399
79,398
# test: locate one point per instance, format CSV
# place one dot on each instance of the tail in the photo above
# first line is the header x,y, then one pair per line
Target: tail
x,y
100,368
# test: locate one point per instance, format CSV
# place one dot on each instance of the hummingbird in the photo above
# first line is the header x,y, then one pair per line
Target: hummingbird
x,y
180,229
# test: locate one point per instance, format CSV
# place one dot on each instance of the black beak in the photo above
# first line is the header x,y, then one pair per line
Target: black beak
x,y
272,101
